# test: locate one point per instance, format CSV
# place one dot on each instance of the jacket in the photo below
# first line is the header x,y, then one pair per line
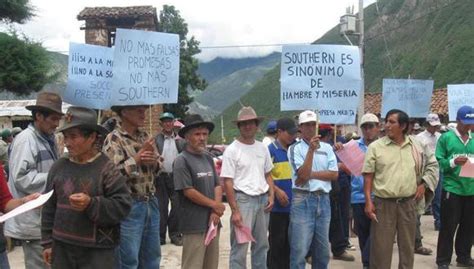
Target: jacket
x,y
31,158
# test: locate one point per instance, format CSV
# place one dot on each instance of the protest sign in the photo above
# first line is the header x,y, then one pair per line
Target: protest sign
x,y
27,206
352,157
459,95
90,76
146,68
412,96
322,77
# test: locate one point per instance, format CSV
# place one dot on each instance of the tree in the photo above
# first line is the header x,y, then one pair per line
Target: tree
x,y
170,21
25,66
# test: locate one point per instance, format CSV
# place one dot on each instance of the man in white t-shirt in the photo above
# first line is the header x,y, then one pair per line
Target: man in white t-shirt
x,y
246,168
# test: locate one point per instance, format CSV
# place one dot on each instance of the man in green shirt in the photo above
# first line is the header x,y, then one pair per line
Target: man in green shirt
x,y
398,170
453,150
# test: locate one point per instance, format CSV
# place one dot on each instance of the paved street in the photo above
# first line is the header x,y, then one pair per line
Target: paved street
x,y
172,254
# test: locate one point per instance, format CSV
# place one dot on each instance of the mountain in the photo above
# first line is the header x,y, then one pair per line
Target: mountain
x,y
423,39
221,67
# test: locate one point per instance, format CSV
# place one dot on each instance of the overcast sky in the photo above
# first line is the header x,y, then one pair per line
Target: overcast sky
x,y
212,22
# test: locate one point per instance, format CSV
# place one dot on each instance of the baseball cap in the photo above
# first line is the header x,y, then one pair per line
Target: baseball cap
x,y
272,126
307,116
416,126
433,119
368,117
465,115
166,115
287,124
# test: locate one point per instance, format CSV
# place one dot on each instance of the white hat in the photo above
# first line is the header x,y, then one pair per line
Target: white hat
x,y
307,116
433,119
368,117
452,125
416,126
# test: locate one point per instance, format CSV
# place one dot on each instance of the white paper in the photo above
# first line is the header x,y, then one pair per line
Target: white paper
x,y
27,206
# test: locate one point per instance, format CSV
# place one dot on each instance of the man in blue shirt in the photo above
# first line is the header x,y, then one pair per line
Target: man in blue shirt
x,y
313,165
279,252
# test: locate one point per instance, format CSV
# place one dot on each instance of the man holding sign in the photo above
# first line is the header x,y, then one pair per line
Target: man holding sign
x,y
314,165
135,154
457,198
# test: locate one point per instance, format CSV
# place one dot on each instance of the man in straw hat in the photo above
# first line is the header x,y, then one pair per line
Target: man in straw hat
x,y
135,154
246,168
314,165
80,224
200,193
33,153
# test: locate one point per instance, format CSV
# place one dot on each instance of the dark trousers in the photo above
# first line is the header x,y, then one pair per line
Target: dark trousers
x,y
279,252
457,213
74,257
337,237
418,236
362,228
345,205
165,192
436,203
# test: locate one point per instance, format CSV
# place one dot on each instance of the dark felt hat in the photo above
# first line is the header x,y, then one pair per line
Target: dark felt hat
x,y
192,121
82,118
48,101
117,109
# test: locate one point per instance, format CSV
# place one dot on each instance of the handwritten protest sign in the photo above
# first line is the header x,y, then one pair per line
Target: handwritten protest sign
x,y
89,76
467,170
410,95
352,156
146,68
323,77
459,95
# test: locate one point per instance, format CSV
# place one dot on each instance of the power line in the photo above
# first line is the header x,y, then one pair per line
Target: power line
x,y
385,39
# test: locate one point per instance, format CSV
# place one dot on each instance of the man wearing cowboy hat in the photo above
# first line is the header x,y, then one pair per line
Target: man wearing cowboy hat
x,y
33,153
135,154
169,146
200,193
81,221
246,168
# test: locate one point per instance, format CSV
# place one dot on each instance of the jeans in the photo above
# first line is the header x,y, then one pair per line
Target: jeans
x,y
436,203
362,226
4,260
253,215
309,228
140,236
33,253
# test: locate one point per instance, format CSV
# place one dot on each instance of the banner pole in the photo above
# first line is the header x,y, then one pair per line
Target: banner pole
x,y
150,113
99,114
317,122
335,133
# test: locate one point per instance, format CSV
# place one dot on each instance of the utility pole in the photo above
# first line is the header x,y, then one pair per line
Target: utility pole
x,y
360,110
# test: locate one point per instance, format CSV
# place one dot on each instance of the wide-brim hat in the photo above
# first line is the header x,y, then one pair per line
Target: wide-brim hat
x,y
247,113
82,118
193,121
47,101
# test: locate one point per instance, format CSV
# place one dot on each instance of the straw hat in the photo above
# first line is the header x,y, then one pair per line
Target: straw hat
x,y
247,113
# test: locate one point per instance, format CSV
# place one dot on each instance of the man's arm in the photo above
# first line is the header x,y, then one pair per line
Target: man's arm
x,y
271,192
200,199
23,168
369,205
304,172
325,175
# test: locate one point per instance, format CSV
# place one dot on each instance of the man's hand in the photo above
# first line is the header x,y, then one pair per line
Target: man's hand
x,y
460,160
269,206
314,142
47,254
420,192
30,197
370,211
282,197
338,146
147,154
218,208
236,218
214,218
79,201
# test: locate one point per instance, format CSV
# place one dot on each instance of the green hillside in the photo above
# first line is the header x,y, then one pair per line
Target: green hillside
x,y
425,39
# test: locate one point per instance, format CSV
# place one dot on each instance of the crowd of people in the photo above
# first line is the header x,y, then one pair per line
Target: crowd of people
x,y
119,193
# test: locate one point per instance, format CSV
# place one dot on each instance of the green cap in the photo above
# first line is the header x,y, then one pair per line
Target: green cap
x,y
6,133
166,115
